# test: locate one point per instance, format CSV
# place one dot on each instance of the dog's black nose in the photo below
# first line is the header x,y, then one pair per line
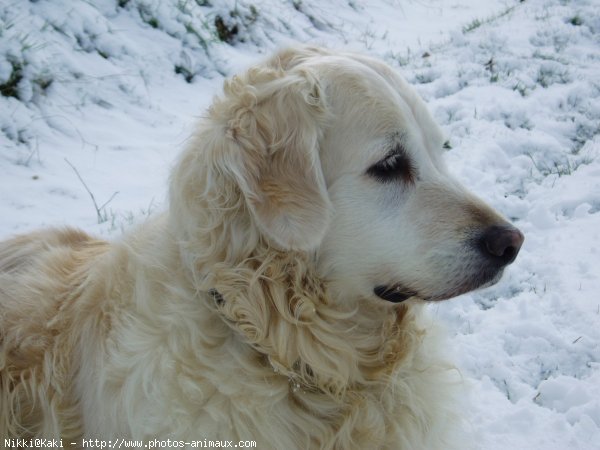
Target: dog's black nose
x,y
502,243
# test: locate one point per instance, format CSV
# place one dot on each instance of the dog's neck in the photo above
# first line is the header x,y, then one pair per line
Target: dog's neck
x,y
275,303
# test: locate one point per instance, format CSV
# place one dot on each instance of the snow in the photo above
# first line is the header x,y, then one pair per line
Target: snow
x,y
109,91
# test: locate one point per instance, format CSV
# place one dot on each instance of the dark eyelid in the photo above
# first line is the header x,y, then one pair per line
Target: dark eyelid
x,y
395,166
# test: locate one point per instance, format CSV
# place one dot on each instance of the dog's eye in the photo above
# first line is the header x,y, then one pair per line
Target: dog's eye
x,y
394,167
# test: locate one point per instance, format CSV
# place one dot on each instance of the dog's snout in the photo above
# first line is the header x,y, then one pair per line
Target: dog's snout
x,y
502,243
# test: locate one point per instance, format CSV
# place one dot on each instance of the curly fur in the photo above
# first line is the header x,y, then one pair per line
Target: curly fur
x,y
214,320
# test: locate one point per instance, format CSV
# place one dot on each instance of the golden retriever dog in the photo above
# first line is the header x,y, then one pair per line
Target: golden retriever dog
x,y
279,299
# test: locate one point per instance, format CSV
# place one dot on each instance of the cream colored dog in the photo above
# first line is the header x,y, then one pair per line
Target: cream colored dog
x,y
279,299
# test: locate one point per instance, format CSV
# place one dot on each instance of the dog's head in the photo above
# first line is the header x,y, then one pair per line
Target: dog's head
x,y
336,155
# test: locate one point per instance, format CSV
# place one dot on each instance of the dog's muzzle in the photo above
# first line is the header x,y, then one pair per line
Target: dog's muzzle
x,y
494,248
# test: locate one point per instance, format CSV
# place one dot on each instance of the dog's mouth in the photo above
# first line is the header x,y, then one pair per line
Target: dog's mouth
x,y
398,293
394,293
495,248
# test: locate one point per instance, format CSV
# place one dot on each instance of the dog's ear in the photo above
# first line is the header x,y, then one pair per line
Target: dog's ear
x,y
272,121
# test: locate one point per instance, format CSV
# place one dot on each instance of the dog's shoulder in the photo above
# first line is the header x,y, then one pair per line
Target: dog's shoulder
x,y
21,252
39,268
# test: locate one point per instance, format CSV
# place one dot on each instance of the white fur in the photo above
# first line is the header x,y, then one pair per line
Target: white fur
x,y
246,311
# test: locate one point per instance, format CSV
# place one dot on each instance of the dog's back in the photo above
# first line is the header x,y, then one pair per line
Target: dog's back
x,y
41,278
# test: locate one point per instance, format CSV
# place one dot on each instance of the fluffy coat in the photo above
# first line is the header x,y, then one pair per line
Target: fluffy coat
x,y
214,320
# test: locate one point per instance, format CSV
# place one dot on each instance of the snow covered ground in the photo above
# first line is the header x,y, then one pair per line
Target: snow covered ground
x,y
105,93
